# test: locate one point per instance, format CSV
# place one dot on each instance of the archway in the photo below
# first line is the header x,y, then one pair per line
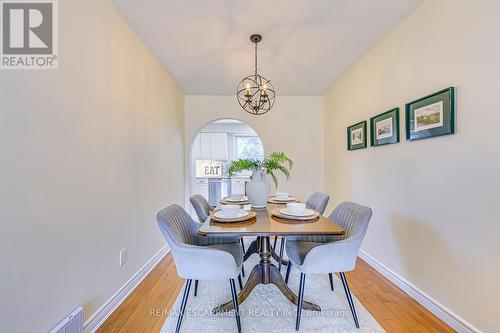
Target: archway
x,y
213,148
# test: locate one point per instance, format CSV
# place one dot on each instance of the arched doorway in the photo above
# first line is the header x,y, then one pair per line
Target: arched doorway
x,y
214,147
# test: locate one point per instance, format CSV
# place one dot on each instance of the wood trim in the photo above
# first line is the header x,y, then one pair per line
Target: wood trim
x,y
99,317
392,307
442,312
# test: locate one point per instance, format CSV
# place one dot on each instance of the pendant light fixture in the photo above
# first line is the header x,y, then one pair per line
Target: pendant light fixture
x,y
255,93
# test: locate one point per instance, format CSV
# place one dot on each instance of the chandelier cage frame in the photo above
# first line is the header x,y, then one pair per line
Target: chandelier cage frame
x,y
255,93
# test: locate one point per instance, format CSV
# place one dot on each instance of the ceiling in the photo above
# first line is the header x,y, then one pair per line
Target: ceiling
x,y
307,44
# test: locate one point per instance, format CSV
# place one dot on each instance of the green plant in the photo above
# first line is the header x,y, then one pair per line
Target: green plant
x,y
277,161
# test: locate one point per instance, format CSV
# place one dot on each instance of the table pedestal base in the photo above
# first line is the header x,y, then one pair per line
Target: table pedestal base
x,y
253,248
265,273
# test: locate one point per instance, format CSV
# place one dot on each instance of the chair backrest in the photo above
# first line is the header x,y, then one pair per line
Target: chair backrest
x,y
318,201
354,218
177,227
340,253
192,259
201,206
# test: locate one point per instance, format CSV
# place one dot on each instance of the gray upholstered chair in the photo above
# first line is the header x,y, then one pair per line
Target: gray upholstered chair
x,y
331,253
202,209
195,260
317,201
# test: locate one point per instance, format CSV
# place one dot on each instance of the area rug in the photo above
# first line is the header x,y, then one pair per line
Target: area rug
x,y
267,310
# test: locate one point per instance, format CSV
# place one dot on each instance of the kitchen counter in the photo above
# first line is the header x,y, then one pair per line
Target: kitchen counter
x,y
223,177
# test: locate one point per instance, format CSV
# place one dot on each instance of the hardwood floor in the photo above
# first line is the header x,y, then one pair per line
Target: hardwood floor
x,y
144,310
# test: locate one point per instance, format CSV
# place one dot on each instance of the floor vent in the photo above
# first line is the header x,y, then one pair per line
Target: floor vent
x,y
73,323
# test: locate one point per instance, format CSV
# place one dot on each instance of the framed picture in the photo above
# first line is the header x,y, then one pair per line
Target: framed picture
x,y
384,128
356,136
432,115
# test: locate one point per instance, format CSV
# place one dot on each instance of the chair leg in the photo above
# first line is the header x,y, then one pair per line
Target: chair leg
x,y
330,275
183,305
235,304
243,248
349,299
195,288
275,241
239,282
282,247
300,299
242,244
288,269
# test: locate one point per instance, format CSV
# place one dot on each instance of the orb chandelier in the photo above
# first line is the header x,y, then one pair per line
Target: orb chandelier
x,y
255,93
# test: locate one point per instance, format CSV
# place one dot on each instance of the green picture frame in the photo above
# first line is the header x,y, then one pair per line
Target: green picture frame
x,y
431,116
356,136
384,128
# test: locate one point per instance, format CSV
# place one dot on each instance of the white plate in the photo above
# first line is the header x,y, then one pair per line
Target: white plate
x,y
306,212
283,199
220,215
236,200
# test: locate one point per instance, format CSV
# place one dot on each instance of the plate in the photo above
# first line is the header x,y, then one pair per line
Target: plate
x,y
306,212
283,218
245,218
283,199
229,199
241,203
240,214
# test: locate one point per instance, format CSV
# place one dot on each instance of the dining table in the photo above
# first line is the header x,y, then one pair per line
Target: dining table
x,y
265,225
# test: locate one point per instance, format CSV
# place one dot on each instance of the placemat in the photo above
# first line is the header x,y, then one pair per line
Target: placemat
x,y
281,216
234,224
251,215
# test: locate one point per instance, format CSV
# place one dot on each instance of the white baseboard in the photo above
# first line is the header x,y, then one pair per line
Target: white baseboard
x,y
445,314
98,318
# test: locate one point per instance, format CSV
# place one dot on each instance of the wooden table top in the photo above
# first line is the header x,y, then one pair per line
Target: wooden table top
x,y
267,225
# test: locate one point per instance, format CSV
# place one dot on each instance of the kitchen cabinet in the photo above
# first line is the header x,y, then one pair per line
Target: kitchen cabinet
x,y
200,186
205,144
218,146
212,146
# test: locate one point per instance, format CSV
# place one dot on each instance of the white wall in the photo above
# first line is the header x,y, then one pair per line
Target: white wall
x,y
436,220
228,128
294,126
89,153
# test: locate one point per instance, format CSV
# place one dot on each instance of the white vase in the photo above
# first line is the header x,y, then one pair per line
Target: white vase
x,y
258,189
